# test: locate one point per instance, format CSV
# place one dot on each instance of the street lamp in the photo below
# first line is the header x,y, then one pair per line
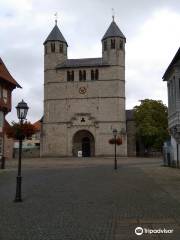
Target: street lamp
x,y
22,109
115,160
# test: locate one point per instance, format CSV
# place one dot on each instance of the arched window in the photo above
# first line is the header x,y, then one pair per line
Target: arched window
x,y
113,43
61,48
92,74
80,75
96,74
105,45
52,47
84,75
72,75
68,76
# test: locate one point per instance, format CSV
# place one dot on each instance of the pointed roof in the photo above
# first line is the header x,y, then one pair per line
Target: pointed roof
x,y
113,31
55,35
174,61
6,76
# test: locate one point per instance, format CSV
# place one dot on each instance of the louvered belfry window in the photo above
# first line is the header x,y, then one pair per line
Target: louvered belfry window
x,y
113,43
70,76
52,47
92,74
96,74
61,48
84,75
80,75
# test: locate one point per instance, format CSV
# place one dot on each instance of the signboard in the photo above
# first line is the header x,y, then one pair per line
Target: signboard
x,y
79,153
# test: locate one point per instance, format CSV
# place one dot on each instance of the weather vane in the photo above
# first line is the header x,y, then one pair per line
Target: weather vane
x,y
56,17
113,14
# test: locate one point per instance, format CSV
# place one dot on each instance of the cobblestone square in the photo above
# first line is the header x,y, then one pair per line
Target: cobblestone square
x,y
86,199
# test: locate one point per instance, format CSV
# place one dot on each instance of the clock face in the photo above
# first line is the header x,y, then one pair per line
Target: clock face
x,y
82,90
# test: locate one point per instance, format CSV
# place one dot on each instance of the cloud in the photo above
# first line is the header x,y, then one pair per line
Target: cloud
x,y
150,27
149,53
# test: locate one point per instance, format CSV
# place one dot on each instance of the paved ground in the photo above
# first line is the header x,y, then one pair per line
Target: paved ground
x,y
85,199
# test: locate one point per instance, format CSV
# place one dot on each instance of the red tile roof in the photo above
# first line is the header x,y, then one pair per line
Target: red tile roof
x,y
37,125
5,75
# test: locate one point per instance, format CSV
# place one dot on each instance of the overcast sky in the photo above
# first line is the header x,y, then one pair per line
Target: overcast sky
x,y
151,28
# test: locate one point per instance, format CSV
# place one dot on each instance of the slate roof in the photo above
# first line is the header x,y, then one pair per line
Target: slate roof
x,y
6,76
113,31
55,35
82,62
173,62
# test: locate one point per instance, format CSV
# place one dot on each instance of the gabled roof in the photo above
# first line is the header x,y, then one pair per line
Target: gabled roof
x,y
113,31
55,35
82,62
173,62
6,76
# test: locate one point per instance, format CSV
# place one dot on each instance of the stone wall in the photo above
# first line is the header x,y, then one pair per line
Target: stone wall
x,y
8,147
131,138
28,153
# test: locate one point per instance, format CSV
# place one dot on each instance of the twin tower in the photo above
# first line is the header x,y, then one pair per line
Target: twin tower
x,y
84,99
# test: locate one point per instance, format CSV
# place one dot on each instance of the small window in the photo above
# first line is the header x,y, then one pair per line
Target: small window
x,y
113,43
52,47
105,45
92,74
96,74
121,45
61,48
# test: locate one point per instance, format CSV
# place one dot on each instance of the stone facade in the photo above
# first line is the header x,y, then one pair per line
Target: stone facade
x,y
172,76
84,99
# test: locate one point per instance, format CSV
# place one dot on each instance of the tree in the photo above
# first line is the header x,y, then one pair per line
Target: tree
x,y
17,130
151,119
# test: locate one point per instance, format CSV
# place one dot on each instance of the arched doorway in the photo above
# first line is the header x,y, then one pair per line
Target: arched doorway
x,y
83,141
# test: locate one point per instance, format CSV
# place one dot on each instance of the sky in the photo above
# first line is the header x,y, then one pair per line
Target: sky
x,y
151,29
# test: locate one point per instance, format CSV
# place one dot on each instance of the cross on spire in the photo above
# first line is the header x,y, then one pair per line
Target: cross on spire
x,y
56,18
113,14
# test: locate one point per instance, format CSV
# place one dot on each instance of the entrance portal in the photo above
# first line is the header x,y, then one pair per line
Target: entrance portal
x,y
84,141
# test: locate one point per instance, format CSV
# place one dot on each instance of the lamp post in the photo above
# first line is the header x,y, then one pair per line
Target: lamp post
x,y
22,109
115,159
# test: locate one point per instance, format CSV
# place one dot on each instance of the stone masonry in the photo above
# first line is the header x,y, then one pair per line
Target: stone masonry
x,y
84,99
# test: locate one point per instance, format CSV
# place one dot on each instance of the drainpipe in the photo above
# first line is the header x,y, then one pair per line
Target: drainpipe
x,y
177,155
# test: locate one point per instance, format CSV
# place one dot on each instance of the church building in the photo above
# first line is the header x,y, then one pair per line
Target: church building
x,y
84,99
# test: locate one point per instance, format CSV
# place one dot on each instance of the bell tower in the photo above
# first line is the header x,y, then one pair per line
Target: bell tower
x,y
113,45
55,49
